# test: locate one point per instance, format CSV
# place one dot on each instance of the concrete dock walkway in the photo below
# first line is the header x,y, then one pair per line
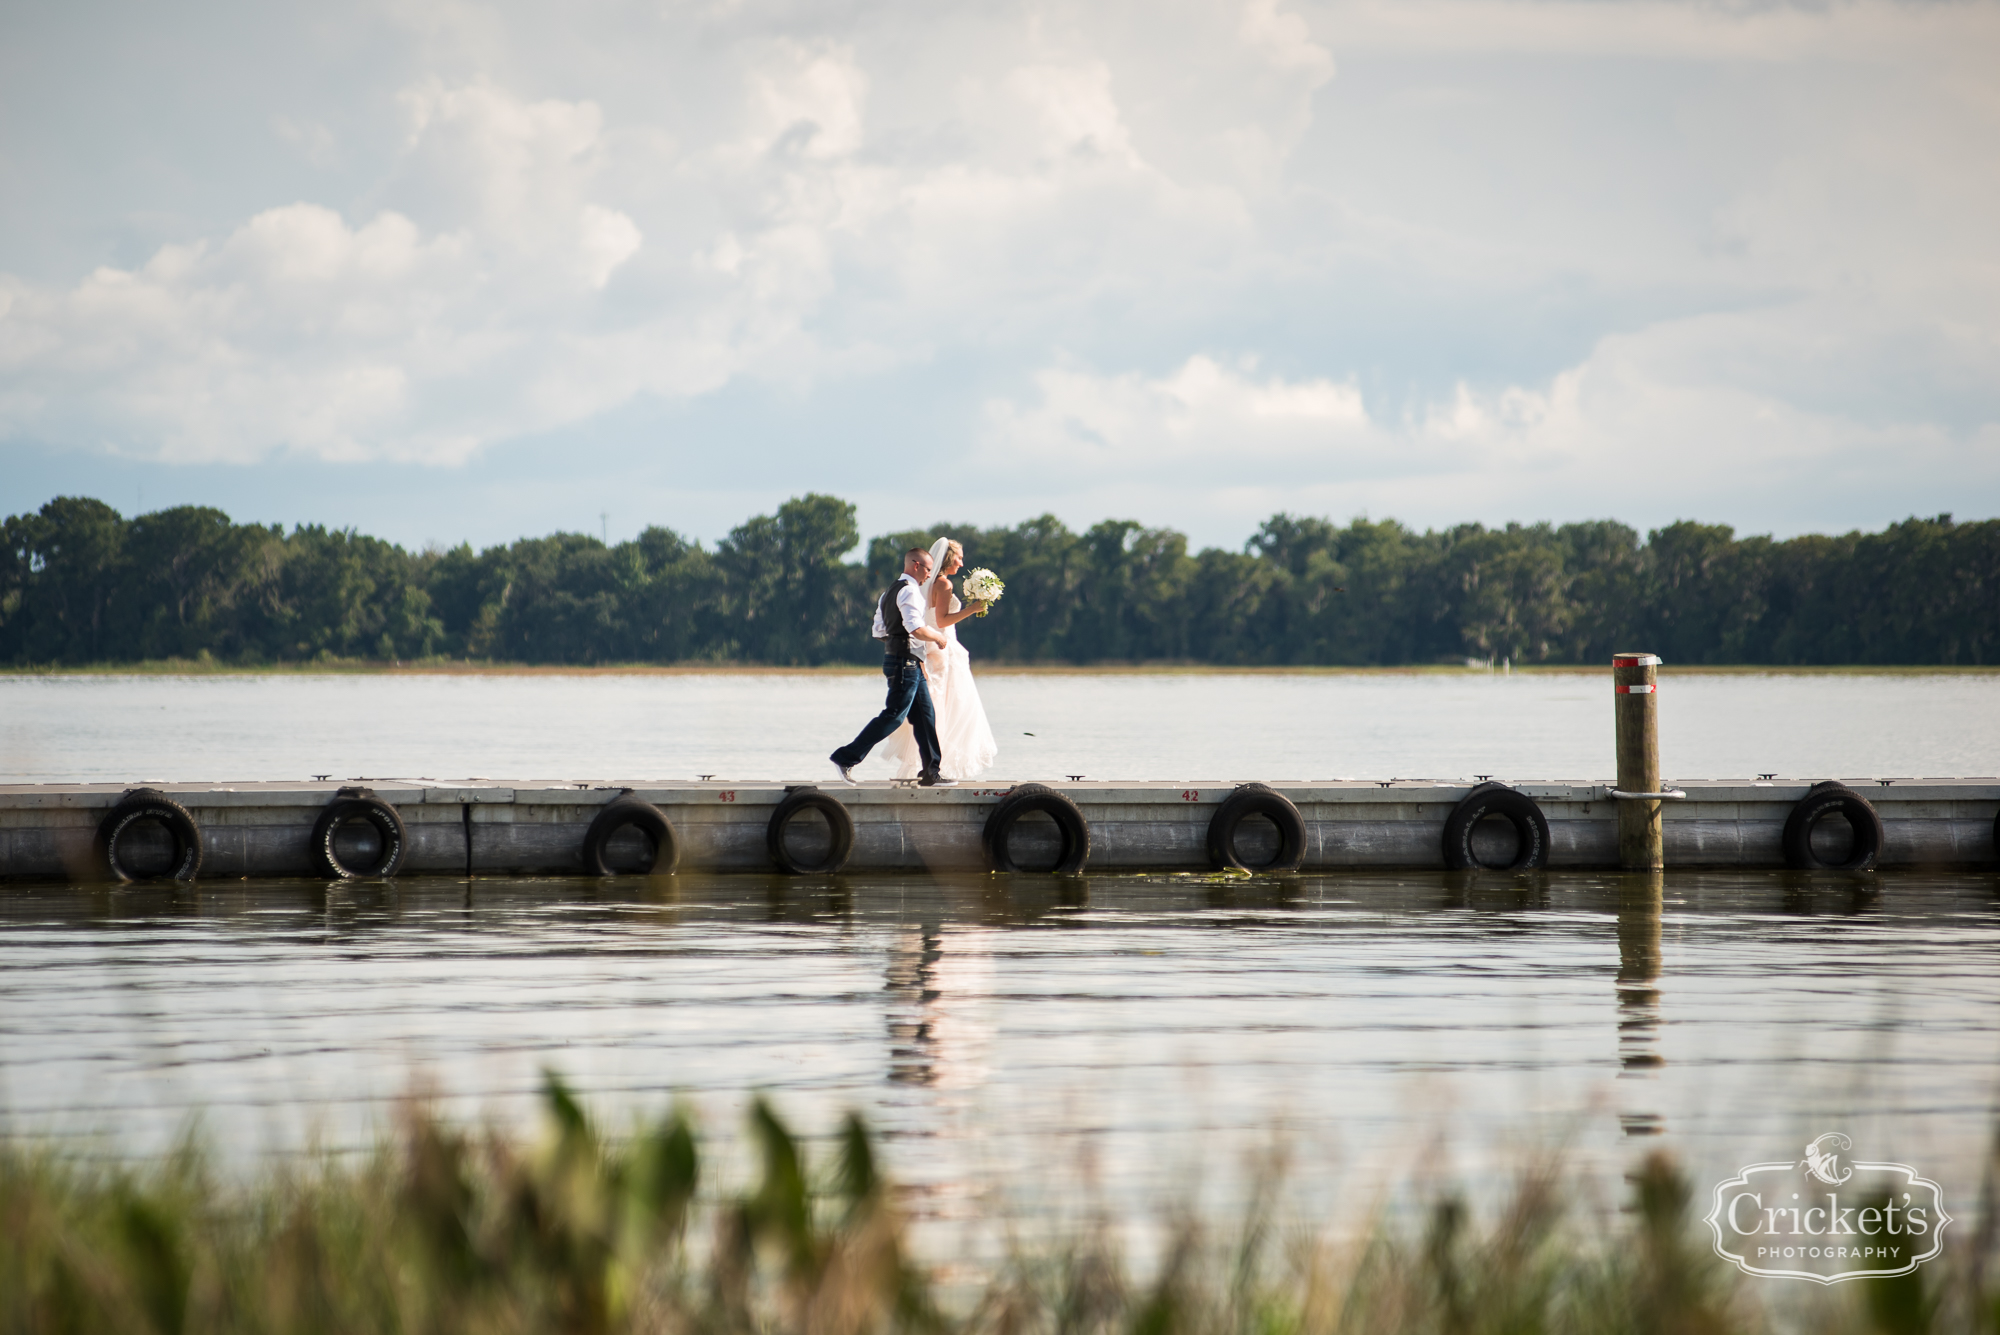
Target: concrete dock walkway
x,y
535,827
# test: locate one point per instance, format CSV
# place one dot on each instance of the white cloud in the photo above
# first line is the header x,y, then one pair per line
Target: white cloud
x,y
1074,111
1513,251
777,233
315,142
607,238
813,97
1203,416
303,332
1869,31
1671,421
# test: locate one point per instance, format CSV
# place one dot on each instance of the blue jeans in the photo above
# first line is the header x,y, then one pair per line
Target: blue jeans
x,y
909,697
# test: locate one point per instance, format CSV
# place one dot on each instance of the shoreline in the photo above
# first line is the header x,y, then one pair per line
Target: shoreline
x,y
349,668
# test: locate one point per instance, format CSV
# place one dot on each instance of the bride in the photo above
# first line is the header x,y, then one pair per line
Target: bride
x,y
963,735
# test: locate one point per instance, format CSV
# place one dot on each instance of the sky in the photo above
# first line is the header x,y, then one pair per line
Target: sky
x,y
444,272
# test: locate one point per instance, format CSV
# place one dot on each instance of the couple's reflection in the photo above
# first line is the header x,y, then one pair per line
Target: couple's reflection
x,y
939,1006
939,1010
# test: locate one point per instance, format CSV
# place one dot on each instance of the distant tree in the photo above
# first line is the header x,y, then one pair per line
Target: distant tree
x,y
195,583
793,598
1697,589
1232,599
81,584
1131,595
1513,587
1045,566
561,602
70,561
676,612
1608,593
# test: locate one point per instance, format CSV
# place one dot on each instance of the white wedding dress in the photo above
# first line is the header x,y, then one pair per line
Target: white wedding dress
x,y
964,737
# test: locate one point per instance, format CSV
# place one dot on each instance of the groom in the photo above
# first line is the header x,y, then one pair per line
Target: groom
x,y
899,620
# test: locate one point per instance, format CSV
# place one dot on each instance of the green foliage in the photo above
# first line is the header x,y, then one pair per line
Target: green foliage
x,y
80,584
787,594
442,1232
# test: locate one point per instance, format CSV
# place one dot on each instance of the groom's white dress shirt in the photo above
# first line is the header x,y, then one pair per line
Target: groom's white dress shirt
x,y
909,601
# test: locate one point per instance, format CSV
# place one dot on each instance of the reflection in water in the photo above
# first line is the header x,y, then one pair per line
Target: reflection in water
x,y
940,988
939,984
1483,888
995,1027
912,983
1640,898
1813,893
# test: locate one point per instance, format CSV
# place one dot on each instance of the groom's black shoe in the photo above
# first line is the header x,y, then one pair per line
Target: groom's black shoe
x,y
933,779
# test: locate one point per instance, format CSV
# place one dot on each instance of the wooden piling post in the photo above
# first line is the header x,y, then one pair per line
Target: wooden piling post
x,y
1635,686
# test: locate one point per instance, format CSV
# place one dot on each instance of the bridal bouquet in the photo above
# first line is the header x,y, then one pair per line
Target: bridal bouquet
x,y
983,586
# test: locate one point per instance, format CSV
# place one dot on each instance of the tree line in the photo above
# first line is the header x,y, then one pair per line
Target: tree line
x,y
82,584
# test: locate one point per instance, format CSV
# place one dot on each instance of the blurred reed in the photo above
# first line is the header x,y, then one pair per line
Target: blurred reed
x,y
444,1230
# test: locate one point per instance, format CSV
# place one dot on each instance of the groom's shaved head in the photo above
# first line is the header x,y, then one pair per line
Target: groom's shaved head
x,y
916,551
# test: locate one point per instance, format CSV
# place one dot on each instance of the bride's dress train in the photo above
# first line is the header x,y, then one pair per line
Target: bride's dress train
x,y
963,734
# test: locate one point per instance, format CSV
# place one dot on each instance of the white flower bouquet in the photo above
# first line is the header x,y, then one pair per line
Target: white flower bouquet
x,y
983,586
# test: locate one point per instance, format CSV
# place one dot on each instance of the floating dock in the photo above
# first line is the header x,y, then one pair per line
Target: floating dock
x,y
94,832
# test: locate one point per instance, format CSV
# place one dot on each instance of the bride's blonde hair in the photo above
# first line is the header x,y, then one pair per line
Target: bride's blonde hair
x,y
953,550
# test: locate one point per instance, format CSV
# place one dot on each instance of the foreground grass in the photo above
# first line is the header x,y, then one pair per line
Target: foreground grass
x,y
445,1232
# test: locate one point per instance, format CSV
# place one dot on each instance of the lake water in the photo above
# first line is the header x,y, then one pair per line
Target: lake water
x,y
1168,726
1001,1034
1027,1035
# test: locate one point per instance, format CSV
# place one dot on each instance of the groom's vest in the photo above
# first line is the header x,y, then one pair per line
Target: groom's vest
x,y
897,643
